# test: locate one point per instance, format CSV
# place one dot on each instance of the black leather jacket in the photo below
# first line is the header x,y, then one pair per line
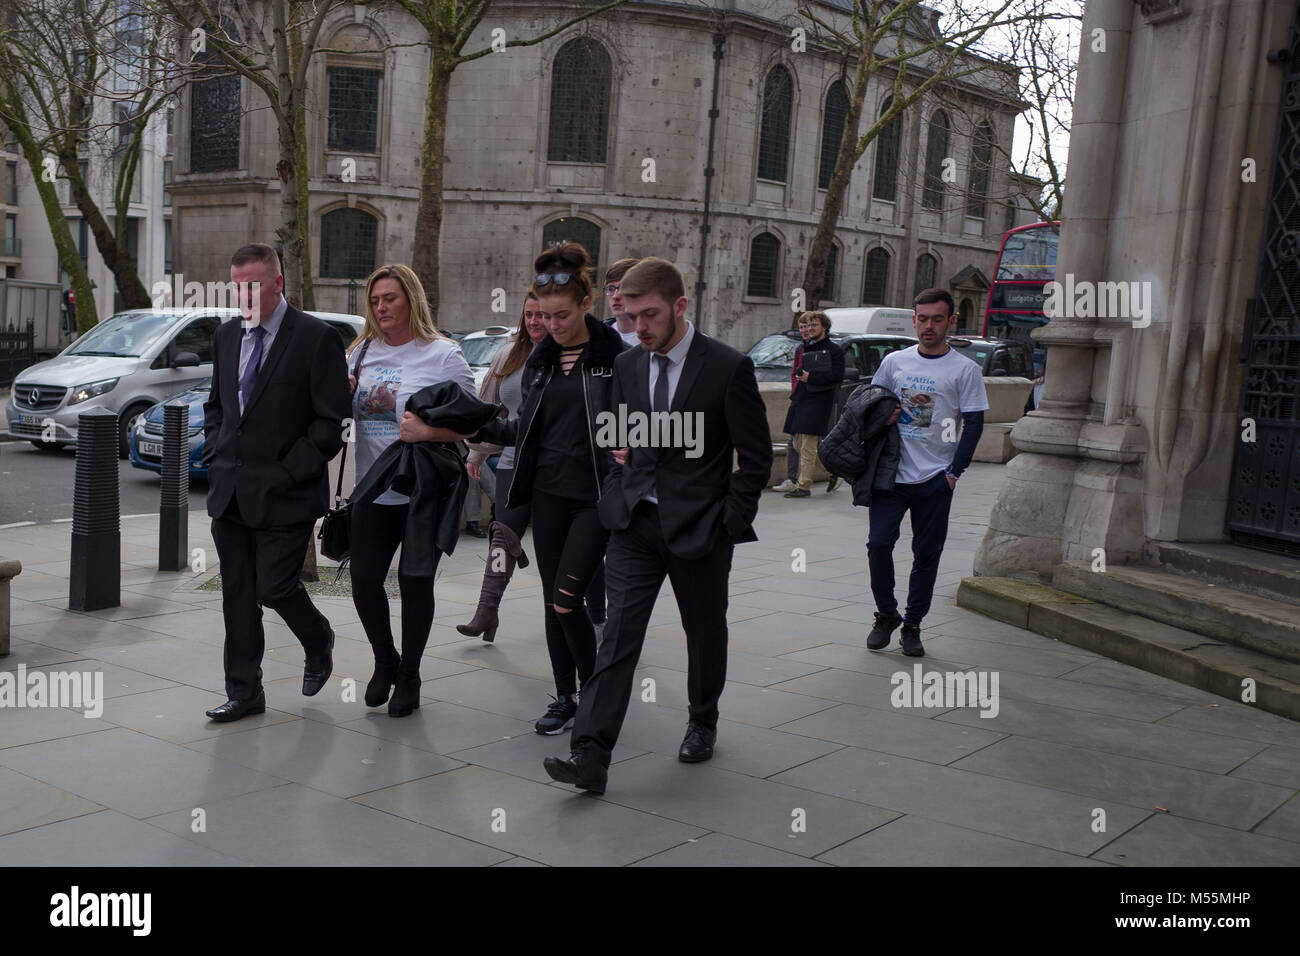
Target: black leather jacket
x,y
861,447
597,369
432,474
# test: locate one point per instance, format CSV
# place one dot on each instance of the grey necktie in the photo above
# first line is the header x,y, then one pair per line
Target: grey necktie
x,y
660,403
249,378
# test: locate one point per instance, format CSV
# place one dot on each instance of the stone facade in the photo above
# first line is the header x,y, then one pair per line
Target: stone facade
x,y
1136,433
501,192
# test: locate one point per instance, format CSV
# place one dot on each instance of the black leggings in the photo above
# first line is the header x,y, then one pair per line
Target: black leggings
x,y
570,543
517,520
376,533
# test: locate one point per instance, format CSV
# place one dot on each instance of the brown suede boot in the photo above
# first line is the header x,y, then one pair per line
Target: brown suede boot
x,y
503,554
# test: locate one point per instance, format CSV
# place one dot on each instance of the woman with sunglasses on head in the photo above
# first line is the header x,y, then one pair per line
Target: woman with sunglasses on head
x,y
504,384
559,468
399,352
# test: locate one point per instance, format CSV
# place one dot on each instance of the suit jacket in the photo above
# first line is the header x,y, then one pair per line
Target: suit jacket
x,y
275,455
699,498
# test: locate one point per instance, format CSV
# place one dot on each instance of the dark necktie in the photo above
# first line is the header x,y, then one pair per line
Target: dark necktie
x,y
249,378
660,403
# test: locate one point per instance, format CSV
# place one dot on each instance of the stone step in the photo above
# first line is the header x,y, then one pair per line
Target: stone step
x,y
1189,658
1224,613
1276,576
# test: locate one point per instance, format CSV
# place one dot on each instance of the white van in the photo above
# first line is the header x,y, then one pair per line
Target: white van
x,y
876,320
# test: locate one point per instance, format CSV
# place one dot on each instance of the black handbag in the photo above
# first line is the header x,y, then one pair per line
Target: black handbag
x,y
336,527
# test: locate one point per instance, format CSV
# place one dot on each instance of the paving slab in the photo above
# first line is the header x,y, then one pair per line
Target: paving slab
x,y
720,850
914,840
26,802
1164,840
904,732
104,839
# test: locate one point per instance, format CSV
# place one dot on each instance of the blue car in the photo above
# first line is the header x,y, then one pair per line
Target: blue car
x,y
145,436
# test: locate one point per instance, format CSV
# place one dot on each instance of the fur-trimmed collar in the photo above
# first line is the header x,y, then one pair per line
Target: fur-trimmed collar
x,y
605,343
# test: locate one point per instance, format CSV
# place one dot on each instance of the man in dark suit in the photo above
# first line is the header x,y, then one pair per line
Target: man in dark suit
x,y
677,511
271,424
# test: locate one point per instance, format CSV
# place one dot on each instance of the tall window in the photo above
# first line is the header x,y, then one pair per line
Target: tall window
x,y
580,94
927,266
215,113
774,129
832,273
764,258
167,181
354,109
11,183
167,247
1011,216
876,283
10,247
936,151
833,119
885,181
347,244
981,163
575,229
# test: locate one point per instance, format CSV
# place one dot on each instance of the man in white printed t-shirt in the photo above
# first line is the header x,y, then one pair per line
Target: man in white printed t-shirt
x,y
939,389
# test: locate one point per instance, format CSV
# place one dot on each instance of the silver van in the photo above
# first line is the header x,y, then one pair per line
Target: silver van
x,y
126,363
875,320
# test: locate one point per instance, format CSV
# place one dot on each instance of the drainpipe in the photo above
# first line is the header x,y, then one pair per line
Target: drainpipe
x,y
718,39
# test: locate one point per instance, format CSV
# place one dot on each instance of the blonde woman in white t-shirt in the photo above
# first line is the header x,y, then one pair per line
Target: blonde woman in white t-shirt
x,y
399,352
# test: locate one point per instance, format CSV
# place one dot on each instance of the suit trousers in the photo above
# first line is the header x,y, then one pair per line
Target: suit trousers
x,y
260,568
636,562
929,503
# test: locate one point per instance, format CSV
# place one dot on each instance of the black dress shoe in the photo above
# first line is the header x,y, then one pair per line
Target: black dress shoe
x,y
318,670
697,747
582,770
234,709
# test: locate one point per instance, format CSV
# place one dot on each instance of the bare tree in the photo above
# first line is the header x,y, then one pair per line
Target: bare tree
x,y
898,41
84,78
449,25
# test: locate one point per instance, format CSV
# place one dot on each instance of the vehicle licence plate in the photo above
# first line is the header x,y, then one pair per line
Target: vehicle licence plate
x,y
26,419
150,448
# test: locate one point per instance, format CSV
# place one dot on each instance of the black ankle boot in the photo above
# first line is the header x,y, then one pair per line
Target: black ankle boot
x,y
406,696
384,677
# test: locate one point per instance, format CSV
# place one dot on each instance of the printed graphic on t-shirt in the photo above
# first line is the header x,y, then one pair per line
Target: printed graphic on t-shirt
x,y
377,399
918,394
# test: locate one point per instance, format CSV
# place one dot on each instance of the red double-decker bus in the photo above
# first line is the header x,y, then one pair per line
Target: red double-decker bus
x,y
1026,263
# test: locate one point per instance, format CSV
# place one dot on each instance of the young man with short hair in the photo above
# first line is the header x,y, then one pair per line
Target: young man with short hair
x,y
673,511
936,386
613,278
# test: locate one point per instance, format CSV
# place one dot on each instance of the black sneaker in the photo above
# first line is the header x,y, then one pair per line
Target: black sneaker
x,y
880,634
799,493
832,484
558,717
911,640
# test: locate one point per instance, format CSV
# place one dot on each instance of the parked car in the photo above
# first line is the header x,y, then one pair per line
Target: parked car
x,y
997,357
773,357
126,364
481,347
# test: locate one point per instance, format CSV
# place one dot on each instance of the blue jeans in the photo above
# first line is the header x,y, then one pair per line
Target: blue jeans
x,y
929,503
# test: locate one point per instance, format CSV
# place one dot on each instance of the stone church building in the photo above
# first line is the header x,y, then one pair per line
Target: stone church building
x,y
555,141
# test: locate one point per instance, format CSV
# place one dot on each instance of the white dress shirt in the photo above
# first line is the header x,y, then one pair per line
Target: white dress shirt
x,y
272,325
676,361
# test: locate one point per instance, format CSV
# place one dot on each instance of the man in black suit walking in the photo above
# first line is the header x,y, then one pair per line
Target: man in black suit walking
x,y
677,511
271,424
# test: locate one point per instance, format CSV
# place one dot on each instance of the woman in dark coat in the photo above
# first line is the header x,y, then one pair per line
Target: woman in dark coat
x,y
812,396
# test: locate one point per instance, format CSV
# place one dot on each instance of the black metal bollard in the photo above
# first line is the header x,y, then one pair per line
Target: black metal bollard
x,y
173,509
95,580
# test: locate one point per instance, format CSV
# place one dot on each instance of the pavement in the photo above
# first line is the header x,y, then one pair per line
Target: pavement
x,y
1081,761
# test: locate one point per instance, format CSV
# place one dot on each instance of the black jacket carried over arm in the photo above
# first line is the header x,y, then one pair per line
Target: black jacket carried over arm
x,y
431,474
862,447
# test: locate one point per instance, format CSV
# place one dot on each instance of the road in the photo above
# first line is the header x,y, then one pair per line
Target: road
x,y
37,485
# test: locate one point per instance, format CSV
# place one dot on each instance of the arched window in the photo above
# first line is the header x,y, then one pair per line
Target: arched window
x,y
876,283
774,133
832,274
580,93
981,164
764,259
966,311
936,151
215,112
575,229
348,239
833,119
885,181
927,266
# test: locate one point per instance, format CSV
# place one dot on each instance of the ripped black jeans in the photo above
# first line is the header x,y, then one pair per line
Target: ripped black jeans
x,y
569,542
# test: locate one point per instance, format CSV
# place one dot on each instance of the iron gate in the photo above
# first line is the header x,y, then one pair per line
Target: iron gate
x,y
1264,503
